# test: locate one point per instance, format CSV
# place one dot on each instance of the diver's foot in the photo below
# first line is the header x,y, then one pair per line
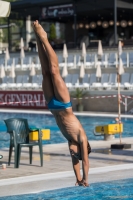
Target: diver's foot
x,y
39,31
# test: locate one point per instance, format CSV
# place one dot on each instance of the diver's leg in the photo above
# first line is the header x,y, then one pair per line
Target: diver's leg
x,y
47,85
60,89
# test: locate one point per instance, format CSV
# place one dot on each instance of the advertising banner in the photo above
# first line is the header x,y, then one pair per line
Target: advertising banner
x,y
58,11
22,99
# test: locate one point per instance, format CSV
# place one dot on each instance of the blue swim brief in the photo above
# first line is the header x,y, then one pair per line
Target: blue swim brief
x,y
55,104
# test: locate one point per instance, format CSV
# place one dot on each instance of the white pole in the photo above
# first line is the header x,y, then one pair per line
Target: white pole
x,y
28,30
119,97
127,59
125,105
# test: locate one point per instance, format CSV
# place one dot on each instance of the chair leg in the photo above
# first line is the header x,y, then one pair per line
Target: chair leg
x,y
41,154
19,154
16,157
30,154
10,154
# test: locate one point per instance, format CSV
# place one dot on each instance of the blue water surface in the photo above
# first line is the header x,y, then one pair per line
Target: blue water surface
x,y
47,121
119,190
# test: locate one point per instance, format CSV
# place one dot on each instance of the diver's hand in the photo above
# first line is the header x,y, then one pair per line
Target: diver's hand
x,y
84,183
78,183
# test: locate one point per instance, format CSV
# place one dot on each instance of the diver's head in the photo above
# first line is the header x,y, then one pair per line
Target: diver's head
x,y
76,154
75,150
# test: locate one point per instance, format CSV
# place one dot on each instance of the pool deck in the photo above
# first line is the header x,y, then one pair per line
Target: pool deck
x,y
57,172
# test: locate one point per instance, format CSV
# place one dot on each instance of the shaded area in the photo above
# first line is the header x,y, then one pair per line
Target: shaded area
x,y
90,9
113,152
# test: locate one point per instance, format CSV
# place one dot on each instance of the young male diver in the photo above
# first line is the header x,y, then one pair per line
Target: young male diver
x,y
58,102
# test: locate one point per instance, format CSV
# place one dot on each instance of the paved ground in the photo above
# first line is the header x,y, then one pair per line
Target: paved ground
x,y
105,165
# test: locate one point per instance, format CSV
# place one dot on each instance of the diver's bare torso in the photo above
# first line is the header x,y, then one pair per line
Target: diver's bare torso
x,y
69,125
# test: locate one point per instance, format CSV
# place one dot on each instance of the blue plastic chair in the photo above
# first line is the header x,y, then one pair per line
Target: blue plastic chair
x,y
19,137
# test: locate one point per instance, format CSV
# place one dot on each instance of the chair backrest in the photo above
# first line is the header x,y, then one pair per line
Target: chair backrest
x,y
35,60
35,79
124,56
25,78
10,80
105,78
20,128
17,60
113,78
125,78
112,57
9,62
68,78
70,58
1,61
94,57
40,78
60,58
88,58
5,79
130,57
75,78
105,57
131,79
86,79
19,79
93,78
27,60
78,58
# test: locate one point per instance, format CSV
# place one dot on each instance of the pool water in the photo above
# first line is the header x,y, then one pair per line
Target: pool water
x,y
119,190
47,121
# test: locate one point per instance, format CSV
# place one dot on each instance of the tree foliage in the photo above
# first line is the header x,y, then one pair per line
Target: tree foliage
x,y
78,94
4,21
52,32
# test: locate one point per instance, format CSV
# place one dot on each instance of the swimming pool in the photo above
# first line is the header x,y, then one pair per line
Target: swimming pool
x,y
48,121
120,189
